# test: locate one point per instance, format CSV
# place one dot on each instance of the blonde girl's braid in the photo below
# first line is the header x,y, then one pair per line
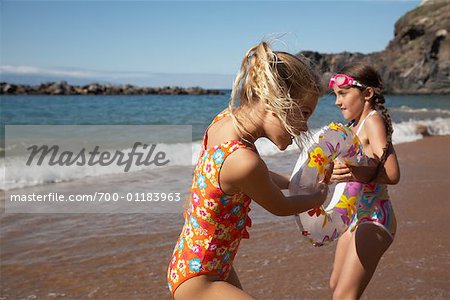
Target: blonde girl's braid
x,y
240,92
271,77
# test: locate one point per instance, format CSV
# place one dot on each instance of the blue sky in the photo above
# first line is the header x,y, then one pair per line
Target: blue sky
x,y
180,42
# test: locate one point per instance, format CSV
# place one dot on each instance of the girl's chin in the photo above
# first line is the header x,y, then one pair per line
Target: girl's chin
x,y
284,146
347,117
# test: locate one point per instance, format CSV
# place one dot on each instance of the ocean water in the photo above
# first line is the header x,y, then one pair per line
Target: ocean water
x,y
408,112
197,111
86,252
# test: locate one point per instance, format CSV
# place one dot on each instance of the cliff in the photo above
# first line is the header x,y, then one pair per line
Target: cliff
x,y
416,61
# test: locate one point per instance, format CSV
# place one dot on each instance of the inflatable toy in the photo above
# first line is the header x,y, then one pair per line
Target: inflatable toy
x,y
326,223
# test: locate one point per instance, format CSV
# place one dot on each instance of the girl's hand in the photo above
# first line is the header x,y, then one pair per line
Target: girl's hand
x,y
344,173
328,174
341,173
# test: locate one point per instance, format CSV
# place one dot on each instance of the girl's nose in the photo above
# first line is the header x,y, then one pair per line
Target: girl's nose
x,y
337,102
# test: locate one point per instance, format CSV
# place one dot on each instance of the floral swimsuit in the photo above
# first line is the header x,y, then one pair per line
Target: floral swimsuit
x,y
215,222
374,205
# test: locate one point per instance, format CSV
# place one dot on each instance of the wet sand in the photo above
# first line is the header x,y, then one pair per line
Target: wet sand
x,y
118,257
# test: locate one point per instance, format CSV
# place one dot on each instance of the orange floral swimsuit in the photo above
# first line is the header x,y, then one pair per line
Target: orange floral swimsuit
x,y
214,223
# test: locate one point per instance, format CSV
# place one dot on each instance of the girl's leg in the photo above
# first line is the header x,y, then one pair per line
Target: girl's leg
x,y
342,247
368,243
208,287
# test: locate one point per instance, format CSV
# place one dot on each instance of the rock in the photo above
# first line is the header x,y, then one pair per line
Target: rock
x,y
63,88
427,2
80,91
95,89
56,88
8,88
21,90
416,61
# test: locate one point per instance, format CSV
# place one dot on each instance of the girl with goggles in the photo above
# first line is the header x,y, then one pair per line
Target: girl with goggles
x,y
359,96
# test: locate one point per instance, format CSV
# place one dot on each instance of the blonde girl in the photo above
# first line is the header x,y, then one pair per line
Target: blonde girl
x,y
273,96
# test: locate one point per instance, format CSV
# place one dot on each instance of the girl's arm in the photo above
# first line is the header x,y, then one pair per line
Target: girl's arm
x,y
387,173
248,173
282,181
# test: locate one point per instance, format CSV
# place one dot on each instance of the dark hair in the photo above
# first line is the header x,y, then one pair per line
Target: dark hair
x,y
369,77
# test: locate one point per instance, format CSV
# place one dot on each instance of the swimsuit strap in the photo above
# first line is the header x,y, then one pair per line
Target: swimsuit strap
x,y
363,121
216,118
221,115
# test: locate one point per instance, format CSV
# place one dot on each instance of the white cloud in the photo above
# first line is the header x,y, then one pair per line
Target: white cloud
x,y
139,78
27,70
66,72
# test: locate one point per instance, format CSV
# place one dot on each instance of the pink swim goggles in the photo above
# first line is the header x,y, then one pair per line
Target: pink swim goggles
x,y
342,80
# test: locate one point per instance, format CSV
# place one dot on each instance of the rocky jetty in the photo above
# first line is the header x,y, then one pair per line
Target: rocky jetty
x,y
416,61
63,88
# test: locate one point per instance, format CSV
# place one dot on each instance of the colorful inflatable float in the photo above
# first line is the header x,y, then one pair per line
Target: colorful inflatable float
x,y
325,224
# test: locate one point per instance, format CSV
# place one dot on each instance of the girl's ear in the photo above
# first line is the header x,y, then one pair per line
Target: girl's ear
x,y
368,93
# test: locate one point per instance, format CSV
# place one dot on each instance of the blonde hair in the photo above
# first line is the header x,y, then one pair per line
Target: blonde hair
x,y
275,78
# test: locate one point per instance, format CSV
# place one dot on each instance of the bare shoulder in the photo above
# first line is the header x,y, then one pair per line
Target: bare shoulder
x,y
376,134
239,166
375,122
242,163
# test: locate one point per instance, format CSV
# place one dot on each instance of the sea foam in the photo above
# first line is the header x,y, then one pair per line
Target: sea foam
x,y
19,175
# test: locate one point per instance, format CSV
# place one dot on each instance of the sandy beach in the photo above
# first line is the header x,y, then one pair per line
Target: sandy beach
x,y
41,260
